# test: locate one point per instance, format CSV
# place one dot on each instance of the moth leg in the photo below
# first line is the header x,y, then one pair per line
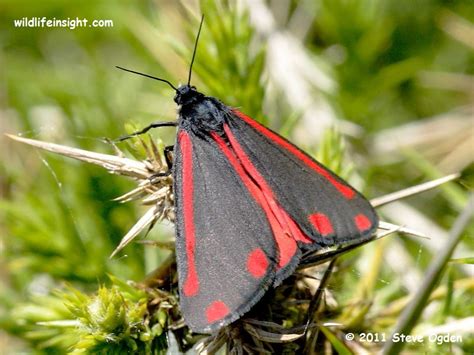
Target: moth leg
x,y
153,178
168,157
169,162
146,129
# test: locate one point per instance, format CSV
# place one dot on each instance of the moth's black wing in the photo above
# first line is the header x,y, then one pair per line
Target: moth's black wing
x,y
324,206
226,254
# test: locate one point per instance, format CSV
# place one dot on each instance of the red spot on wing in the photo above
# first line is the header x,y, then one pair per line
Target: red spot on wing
x,y
191,283
321,223
362,222
345,190
257,263
216,311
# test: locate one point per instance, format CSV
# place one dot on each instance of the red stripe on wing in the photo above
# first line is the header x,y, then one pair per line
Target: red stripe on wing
x,y
285,231
281,215
286,244
191,284
345,190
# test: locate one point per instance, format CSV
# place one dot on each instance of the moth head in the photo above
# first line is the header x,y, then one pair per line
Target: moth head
x,y
186,94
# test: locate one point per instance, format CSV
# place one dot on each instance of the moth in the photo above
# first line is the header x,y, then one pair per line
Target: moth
x,y
248,203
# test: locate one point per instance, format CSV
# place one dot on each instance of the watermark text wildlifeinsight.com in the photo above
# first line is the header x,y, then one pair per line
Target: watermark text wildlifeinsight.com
x,y
70,23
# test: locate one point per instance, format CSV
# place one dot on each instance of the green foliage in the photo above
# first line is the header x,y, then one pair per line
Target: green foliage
x,y
227,39
331,153
116,320
111,324
59,222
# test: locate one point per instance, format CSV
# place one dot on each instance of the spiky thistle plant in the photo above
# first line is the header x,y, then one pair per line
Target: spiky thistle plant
x,y
134,317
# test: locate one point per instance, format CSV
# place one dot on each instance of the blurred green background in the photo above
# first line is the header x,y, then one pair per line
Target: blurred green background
x,y
394,77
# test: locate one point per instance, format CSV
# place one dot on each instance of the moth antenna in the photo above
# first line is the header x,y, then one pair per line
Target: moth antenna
x,y
194,51
148,76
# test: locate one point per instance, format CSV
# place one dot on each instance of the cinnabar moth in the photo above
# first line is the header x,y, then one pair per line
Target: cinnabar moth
x,y
248,203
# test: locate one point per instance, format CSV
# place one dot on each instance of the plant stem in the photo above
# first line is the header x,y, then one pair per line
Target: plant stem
x,y
411,314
